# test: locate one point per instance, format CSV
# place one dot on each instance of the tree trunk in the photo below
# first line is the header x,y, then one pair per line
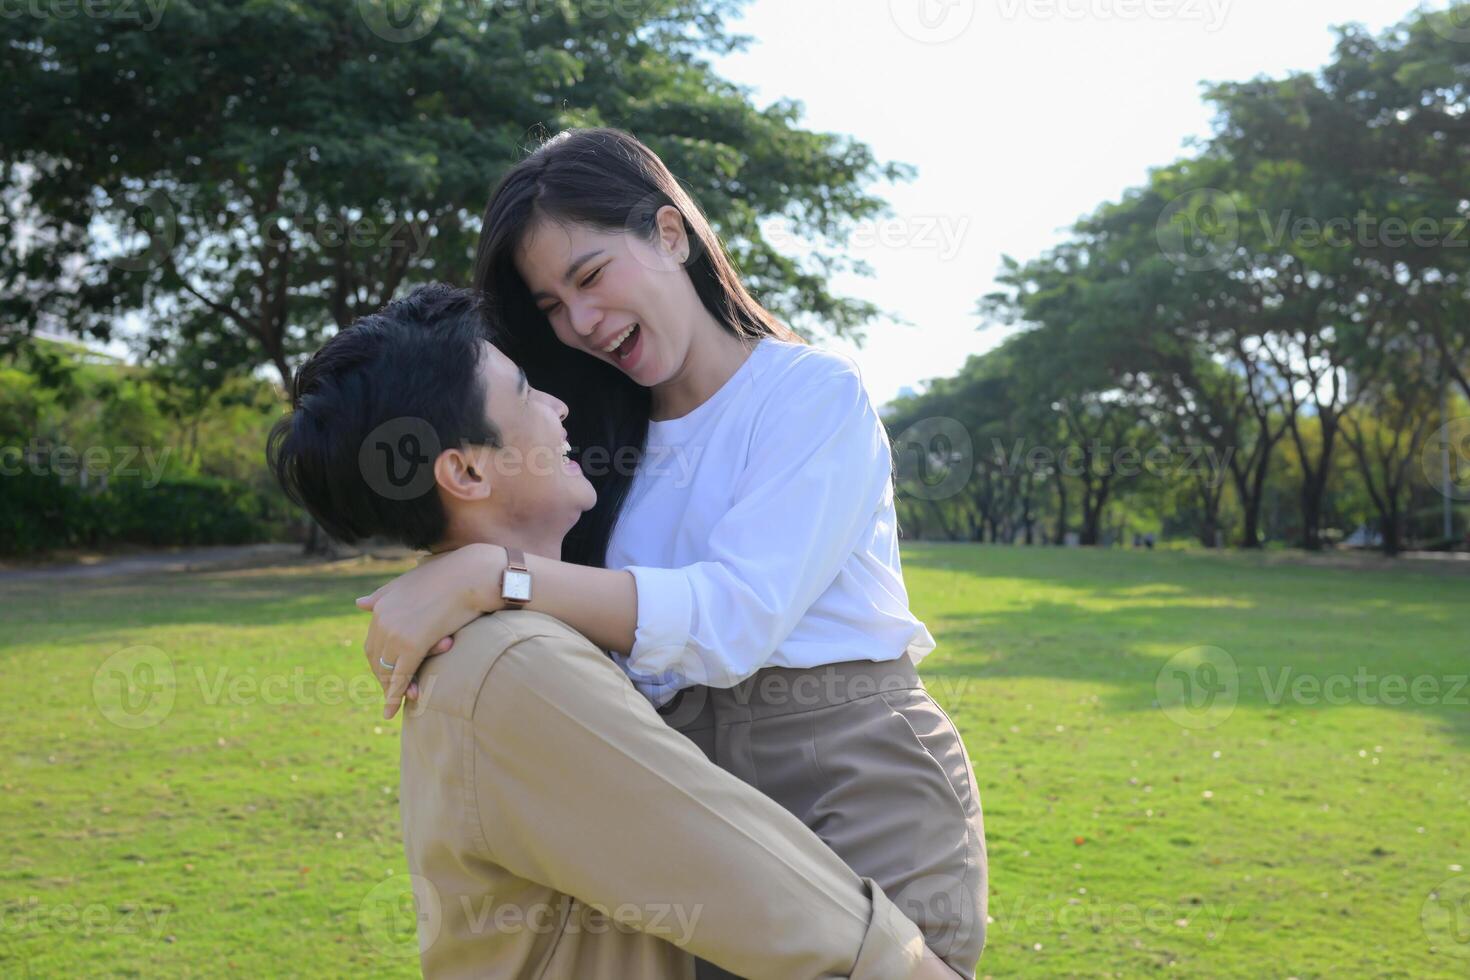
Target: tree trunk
x,y
317,542
1311,511
1314,481
1094,501
1392,464
1392,532
1250,484
1028,522
1061,484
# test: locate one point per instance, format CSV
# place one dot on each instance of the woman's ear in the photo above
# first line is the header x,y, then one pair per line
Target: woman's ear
x,y
671,233
464,473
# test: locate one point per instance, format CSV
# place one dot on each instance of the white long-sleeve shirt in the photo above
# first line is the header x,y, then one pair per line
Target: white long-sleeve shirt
x,y
760,530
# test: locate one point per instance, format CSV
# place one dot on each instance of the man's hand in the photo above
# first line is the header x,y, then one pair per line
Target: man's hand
x,y
415,615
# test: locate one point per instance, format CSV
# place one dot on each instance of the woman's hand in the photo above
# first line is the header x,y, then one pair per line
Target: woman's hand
x,y
415,614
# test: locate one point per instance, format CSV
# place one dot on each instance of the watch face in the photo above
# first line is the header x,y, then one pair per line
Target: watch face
x,y
517,586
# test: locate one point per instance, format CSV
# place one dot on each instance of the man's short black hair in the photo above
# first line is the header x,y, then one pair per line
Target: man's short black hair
x,y
374,407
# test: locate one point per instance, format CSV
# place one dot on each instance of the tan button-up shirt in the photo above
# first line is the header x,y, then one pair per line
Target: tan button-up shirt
x,y
558,829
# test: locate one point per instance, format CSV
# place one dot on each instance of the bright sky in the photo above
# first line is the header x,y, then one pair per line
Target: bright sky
x,y
1020,115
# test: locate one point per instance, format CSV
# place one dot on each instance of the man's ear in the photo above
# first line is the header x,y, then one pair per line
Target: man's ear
x,y
671,234
465,472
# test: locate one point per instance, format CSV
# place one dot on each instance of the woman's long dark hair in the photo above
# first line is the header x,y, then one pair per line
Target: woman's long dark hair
x,y
607,179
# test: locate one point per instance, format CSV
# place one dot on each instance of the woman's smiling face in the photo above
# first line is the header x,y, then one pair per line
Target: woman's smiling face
x,y
613,294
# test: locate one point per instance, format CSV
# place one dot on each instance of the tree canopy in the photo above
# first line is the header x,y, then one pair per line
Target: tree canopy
x,y
1298,284
247,177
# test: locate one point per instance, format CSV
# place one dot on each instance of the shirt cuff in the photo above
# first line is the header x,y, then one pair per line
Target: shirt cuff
x,y
893,947
665,622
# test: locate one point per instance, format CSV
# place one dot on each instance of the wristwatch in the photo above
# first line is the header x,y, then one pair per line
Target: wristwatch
x,y
515,584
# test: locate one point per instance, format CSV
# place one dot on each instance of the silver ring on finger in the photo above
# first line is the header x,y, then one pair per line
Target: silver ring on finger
x,y
386,664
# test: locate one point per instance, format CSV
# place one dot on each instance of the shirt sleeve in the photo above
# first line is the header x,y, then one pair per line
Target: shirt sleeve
x,y
580,786
819,466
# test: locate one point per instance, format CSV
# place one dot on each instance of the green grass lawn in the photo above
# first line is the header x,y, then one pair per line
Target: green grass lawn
x,y
1195,765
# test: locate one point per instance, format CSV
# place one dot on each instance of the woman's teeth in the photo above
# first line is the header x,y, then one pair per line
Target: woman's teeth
x,y
619,339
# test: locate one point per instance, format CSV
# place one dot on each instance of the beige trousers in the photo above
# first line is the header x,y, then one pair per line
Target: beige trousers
x,y
861,754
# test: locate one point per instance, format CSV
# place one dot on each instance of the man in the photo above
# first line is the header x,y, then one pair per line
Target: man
x,y
557,826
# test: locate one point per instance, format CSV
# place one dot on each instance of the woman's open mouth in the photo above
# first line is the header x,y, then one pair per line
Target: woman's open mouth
x,y
568,458
624,352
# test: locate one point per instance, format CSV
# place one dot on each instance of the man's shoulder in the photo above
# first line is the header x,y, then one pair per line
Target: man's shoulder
x,y
450,683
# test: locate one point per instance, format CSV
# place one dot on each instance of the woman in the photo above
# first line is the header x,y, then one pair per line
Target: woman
x,y
741,562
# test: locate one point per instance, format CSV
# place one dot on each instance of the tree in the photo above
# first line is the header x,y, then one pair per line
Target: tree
x,y
1192,327
1074,360
1412,98
249,177
1260,289
1387,434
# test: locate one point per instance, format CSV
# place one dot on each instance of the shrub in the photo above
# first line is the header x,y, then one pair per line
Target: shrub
x,y
39,513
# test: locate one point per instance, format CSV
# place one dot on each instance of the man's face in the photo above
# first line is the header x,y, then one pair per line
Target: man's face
x,y
531,479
